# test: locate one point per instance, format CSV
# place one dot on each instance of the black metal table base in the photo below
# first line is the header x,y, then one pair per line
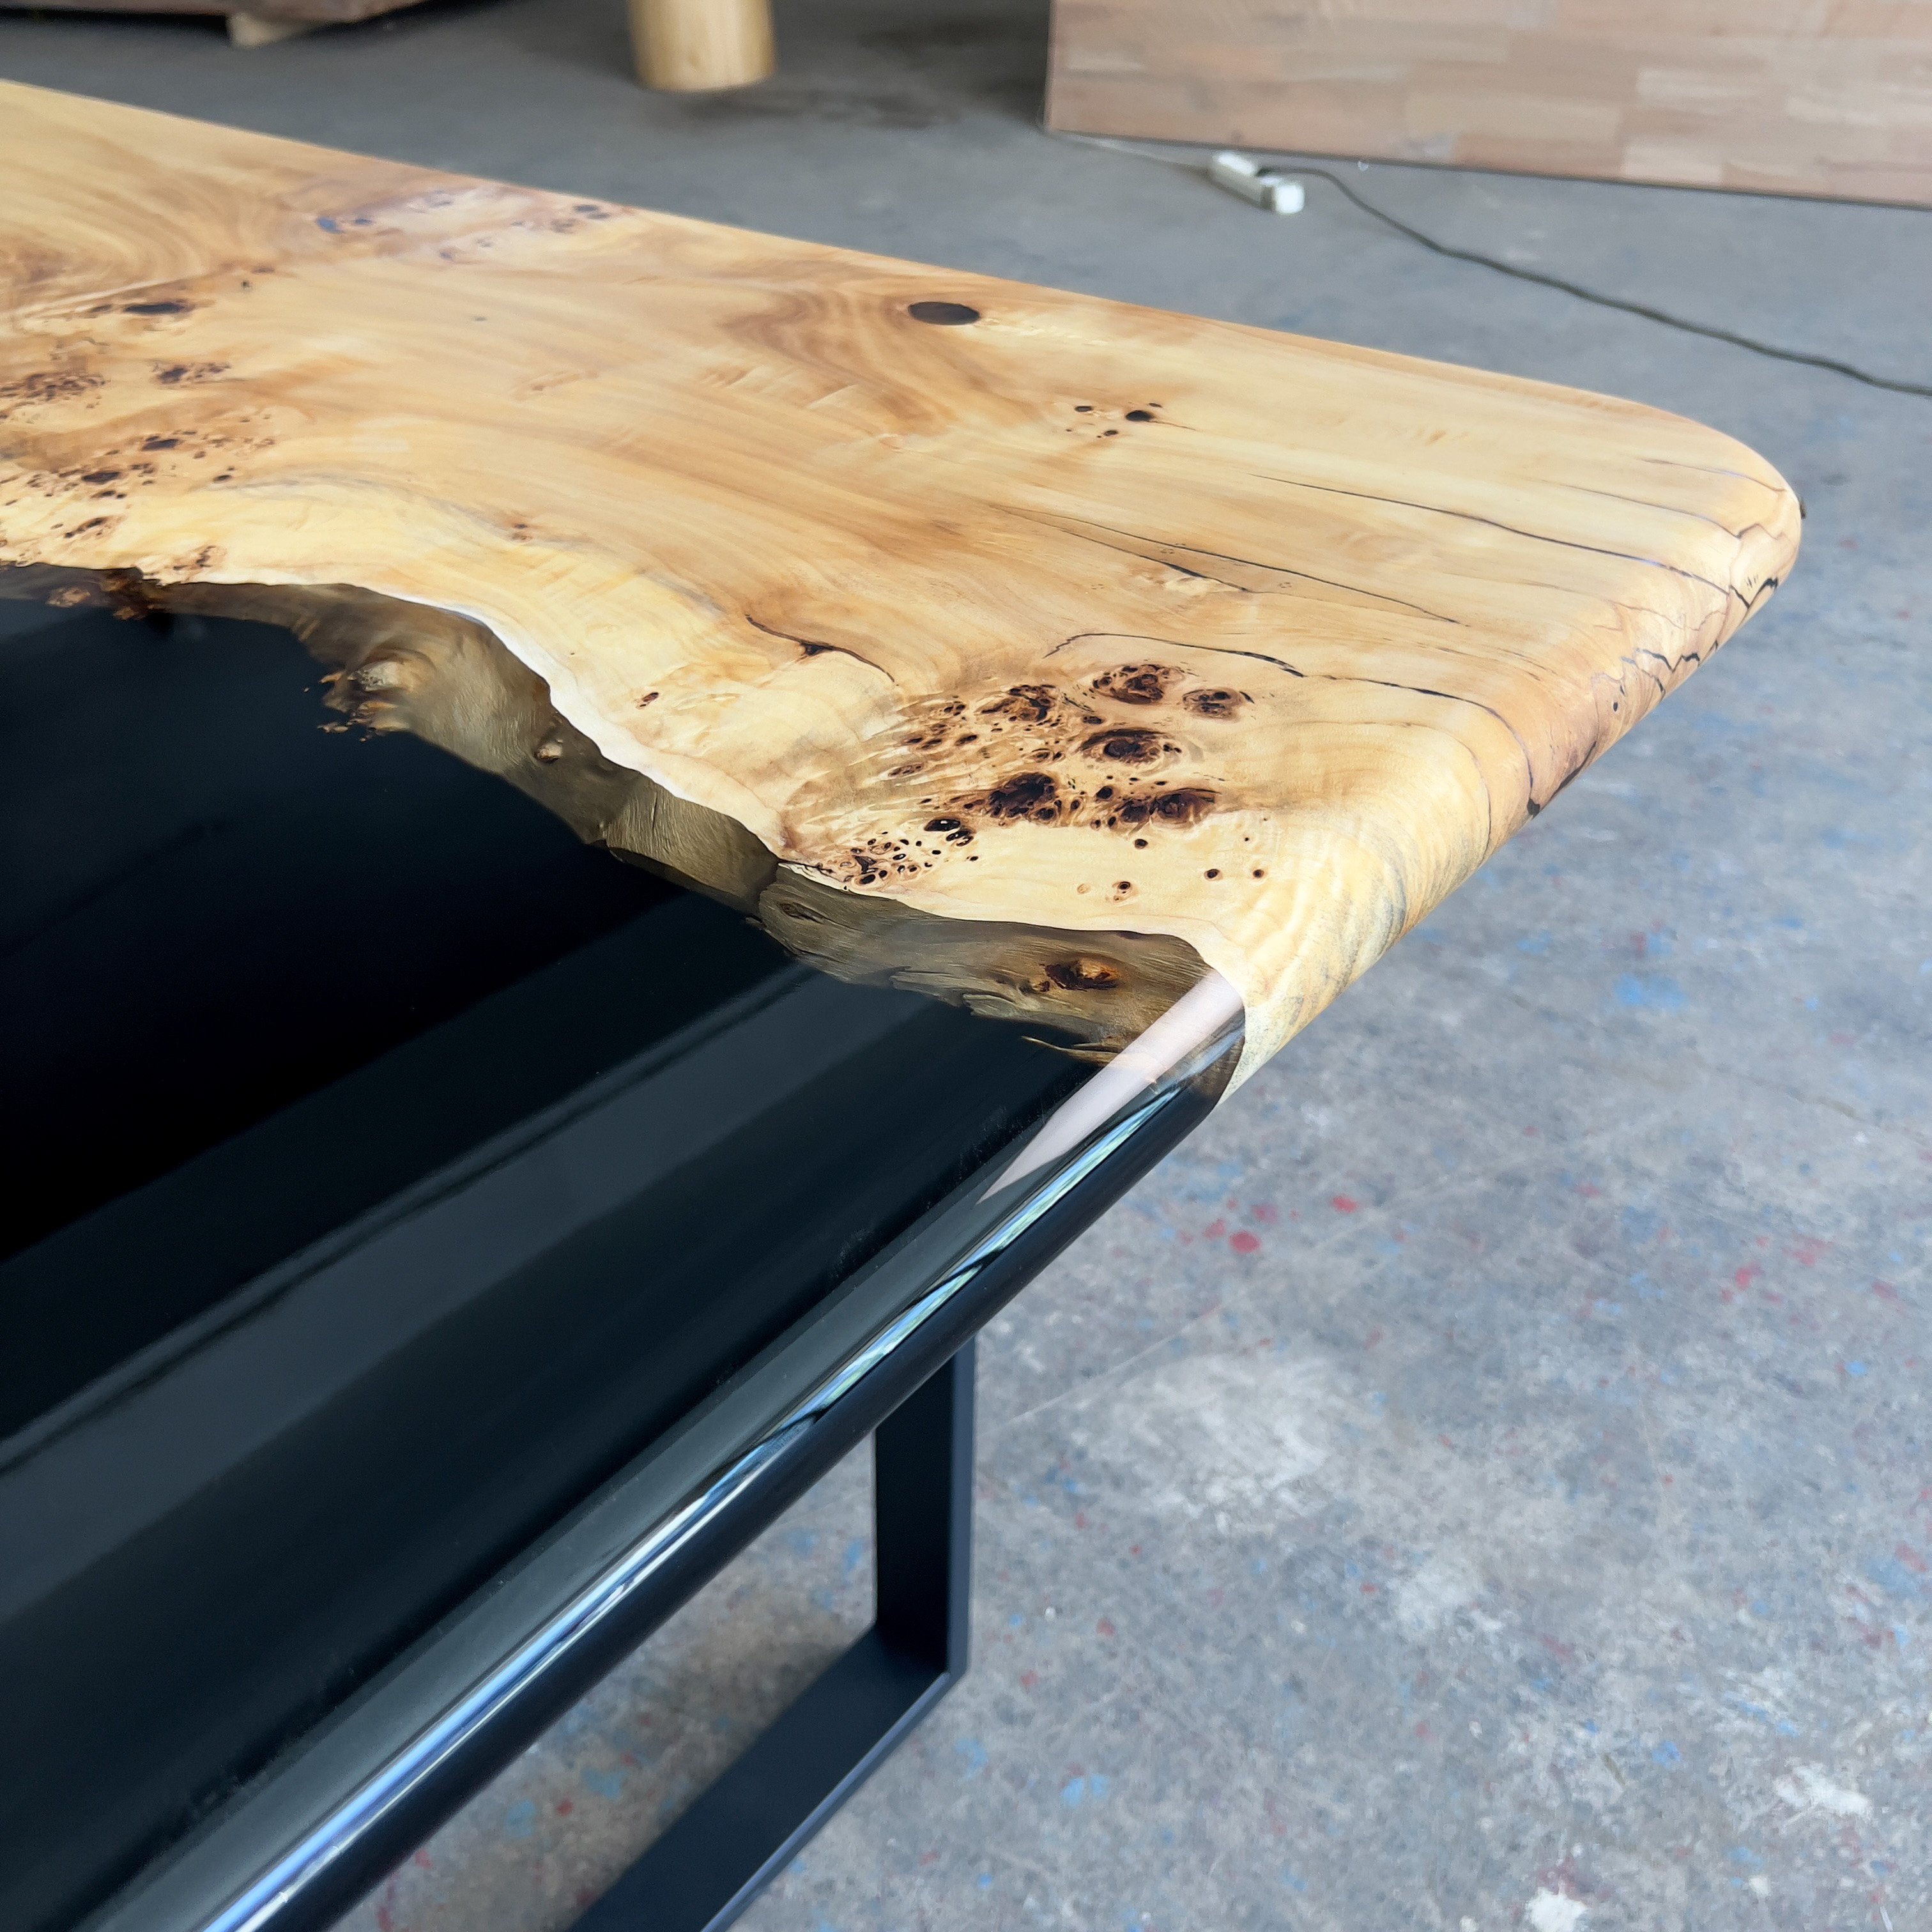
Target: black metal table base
x,y
750,1824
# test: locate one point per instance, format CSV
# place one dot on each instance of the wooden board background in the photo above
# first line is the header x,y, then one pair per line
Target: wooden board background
x,y
315,12
1792,97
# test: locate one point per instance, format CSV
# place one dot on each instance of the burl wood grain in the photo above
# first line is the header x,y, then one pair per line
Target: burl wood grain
x,y
1030,648
1792,97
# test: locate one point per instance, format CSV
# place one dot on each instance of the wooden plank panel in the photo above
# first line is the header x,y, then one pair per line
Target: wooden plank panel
x,y
1028,649
309,13
1799,97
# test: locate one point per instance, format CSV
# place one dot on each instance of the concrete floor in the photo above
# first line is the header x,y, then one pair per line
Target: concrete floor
x,y
1481,1480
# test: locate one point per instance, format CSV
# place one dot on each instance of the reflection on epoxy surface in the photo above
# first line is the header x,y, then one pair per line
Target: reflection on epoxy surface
x,y
396,1167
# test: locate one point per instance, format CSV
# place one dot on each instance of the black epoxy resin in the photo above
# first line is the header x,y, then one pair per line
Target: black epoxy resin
x,y
385,1169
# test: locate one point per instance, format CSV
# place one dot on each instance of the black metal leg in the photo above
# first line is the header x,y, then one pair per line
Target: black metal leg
x,y
749,1824
922,1516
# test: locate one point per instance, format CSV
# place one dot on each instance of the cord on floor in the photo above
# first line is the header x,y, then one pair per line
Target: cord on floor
x,y
1896,385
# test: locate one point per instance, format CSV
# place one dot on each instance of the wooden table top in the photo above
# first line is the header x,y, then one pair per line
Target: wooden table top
x,y
1027,648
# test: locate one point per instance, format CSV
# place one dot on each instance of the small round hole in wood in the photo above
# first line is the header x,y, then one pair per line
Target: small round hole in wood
x,y
945,315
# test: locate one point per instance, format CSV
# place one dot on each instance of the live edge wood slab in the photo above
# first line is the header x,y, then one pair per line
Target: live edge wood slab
x,y
1030,649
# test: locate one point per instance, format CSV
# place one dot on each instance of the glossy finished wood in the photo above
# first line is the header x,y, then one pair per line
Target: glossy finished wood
x,y
1789,97
1024,648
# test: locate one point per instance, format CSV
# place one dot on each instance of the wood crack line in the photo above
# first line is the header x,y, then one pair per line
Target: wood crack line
x,y
1667,509
1725,591
1176,644
812,646
1081,524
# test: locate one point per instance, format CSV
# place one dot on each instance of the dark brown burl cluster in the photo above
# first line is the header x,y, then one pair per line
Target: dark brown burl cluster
x,y
1125,745
1216,702
1155,684
1118,752
47,386
1137,684
173,374
119,470
1185,805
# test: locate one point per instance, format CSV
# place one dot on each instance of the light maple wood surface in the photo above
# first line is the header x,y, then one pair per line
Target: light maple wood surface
x,y
1789,97
1032,653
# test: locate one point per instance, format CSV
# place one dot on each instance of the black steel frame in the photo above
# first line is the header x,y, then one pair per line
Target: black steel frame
x,y
748,1825
299,1846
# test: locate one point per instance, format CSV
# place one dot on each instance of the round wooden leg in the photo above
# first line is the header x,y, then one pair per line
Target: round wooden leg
x,y
688,46
261,30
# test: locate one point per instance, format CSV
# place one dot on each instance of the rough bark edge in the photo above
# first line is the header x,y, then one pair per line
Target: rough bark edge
x,y
394,665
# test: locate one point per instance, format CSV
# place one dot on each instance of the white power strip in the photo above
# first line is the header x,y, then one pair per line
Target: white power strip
x,y
1252,182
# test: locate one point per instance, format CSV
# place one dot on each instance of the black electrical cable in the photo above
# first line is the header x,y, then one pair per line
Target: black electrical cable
x,y
1893,383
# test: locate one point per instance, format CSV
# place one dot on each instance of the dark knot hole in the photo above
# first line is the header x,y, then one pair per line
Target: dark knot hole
x,y
945,315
